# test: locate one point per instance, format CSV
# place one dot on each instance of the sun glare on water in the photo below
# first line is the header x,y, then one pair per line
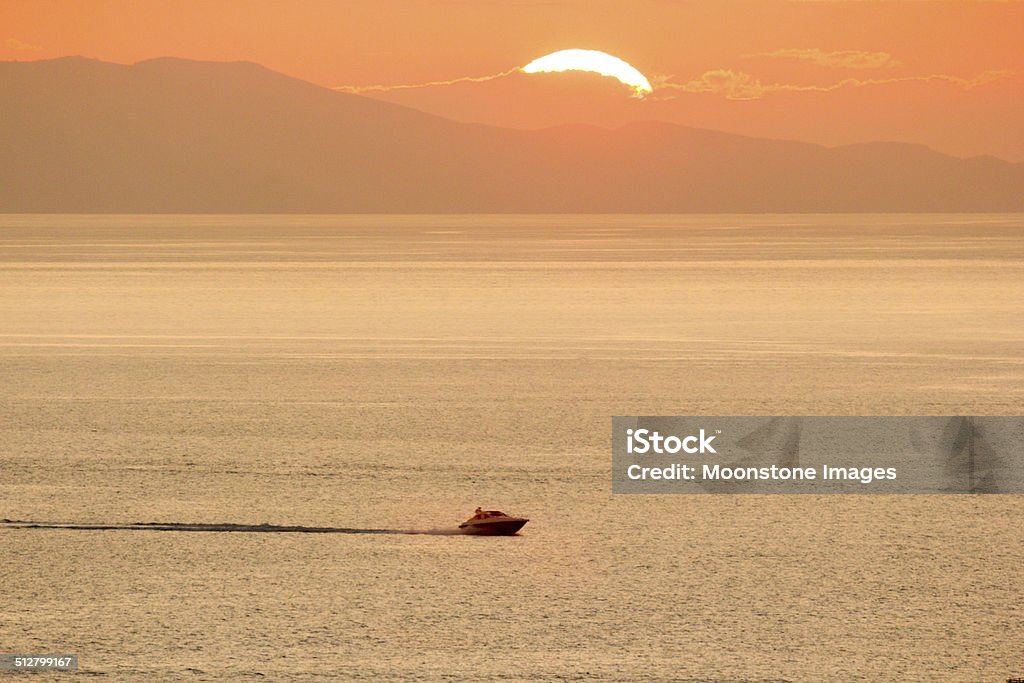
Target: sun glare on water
x,y
591,60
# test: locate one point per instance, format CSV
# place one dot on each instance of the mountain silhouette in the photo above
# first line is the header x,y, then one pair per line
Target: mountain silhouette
x,y
180,136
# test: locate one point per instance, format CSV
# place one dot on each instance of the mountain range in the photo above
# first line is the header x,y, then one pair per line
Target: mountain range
x,y
179,136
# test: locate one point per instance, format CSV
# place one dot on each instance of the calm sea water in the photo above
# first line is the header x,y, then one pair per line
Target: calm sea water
x,y
395,372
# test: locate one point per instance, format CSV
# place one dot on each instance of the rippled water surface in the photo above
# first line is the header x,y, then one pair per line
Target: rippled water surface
x,y
372,373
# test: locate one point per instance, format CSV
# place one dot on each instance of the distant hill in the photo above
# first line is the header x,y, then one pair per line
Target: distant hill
x,y
172,135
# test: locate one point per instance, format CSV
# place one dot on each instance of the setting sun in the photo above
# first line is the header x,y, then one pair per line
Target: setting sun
x,y
591,60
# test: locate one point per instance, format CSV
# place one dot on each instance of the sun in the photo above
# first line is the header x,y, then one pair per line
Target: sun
x,y
591,60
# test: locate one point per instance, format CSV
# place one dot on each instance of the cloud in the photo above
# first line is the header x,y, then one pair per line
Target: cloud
x,y
733,85
737,85
846,59
21,46
429,84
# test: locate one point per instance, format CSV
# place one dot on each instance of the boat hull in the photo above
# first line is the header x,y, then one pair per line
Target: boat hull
x,y
498,527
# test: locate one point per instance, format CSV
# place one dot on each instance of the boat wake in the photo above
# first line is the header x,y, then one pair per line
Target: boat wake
x,y
222,527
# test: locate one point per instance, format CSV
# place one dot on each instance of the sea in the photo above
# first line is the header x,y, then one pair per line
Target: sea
x,y
381,373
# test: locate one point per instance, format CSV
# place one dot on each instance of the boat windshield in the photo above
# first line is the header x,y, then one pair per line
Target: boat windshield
x,y
484,514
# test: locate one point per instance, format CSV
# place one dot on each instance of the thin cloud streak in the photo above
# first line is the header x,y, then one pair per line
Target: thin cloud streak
x,y
20,45
846,59
356,89
737,85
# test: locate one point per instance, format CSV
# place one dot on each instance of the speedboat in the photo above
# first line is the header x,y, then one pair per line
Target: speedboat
x,y
492,523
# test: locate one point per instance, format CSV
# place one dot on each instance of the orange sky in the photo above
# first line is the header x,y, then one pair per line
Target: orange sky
x,y
946,74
